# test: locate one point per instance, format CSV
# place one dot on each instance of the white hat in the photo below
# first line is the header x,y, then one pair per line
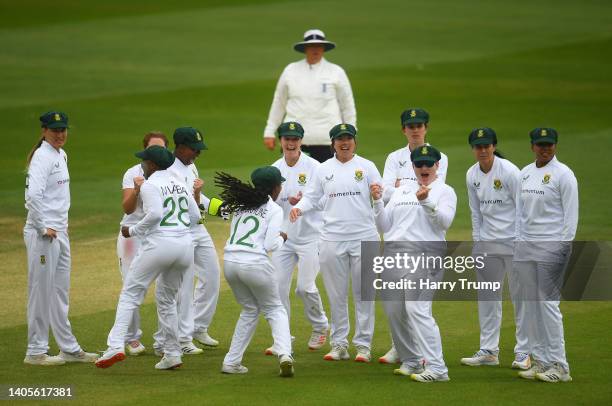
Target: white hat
x,y
314,37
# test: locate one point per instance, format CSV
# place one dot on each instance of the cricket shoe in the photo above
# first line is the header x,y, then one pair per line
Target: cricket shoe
x,y
481,357
408,370
189,348
203,338
81,356
43,359
234,369
271,351
135,348
158,352
391,357
110,357
536,368
168,362
338,353
363,354
317,340
556,373
286,366
522,360
429,376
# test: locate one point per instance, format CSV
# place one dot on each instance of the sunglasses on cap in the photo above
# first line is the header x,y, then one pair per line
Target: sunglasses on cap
x,y
420,164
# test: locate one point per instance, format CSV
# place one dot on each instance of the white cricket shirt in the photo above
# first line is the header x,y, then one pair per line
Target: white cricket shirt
x,y
128,183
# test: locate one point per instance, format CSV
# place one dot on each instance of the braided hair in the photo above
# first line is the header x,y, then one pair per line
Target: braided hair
x,y
238,195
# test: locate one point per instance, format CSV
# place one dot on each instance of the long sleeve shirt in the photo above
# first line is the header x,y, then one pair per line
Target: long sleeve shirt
x,y
128,183
317,96
47,192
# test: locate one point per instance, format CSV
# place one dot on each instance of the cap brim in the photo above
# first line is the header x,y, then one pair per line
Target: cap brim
x,y
198,146
481,141
415,121
140,154
291,133
544,140
343,133
58,124
301,46
283,179
425,159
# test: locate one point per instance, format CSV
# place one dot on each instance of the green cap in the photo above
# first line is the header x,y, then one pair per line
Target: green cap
x,y
543,135
157,154
414,116
266,177
189,136
425,153
341,129
482,136
54,119
290,129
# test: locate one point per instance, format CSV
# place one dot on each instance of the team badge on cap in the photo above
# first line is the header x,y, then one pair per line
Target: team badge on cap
x,y
497,184
424,151
302,178
480,133
57,117
543,133
358,175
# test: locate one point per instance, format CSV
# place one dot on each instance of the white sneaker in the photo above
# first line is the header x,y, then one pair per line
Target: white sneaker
x,y
110,357
234,369
286,366
481,357
429,376
391,357
338,353
189,348
556,373
536,368
408,370
43,359
270,351
522,360
203,338
363,354
80,356
135,348
317,340
169,363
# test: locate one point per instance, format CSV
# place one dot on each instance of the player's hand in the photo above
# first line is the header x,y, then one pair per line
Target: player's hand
x,y
138,181
293,200
50,234
270,143
294,214
284,235
198,184
375,191
422,193
398,182
125,231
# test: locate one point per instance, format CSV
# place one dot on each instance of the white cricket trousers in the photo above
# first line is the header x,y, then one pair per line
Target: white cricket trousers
x,y
341,265
539,285
306,257
256,290
127,248
496,267
48,289
164,258
416,335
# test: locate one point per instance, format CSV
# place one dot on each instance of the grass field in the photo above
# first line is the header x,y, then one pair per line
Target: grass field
x,y
120,69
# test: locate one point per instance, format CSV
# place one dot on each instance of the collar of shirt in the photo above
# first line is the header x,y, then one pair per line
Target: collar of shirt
x,y
48,147
313,66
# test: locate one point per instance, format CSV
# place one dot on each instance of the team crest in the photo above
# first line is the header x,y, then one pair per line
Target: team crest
x,y
480,133
402,164
546,179
43,260
291,126
343,126
412,113
497,184
424,151
302,178
477,185
198,136
358,175
57,117
543,133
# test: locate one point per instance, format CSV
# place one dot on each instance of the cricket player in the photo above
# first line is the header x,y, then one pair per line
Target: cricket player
x,y
341,185
548,218
47,199
166,254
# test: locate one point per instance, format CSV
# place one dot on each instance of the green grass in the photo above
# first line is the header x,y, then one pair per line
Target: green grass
x,y
120,69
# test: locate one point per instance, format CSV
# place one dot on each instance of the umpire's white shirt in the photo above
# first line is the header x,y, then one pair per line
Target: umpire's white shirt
x,y
343,192
47,193
128,183
399,166
298,177
254,233
317,96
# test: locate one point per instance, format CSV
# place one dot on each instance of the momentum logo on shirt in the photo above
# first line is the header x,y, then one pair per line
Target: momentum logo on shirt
x,y
533,191
495,201
343,194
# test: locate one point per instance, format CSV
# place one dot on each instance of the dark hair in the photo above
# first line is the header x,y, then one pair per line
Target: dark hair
x,y
499,154
33,150
154,134
238,195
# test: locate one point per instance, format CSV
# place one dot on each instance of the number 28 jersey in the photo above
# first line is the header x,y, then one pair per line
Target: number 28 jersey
x,y
254,233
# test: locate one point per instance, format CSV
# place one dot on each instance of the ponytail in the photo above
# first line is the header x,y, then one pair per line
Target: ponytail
x,y
33,150
499,154
238,195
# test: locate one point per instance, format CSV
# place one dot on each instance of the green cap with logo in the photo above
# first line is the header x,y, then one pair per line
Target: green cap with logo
x,y
414,116
266,177
157,154
482,136
543,135
425,153
189,136
54,119
290,129
342,129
